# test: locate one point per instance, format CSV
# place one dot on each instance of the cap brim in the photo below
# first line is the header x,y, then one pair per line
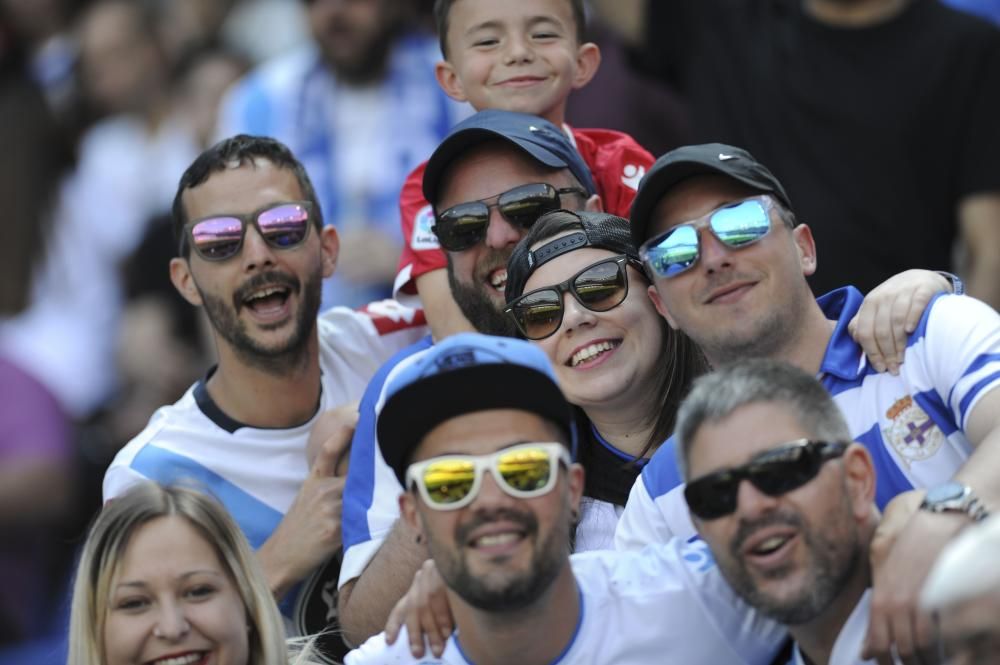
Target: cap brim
x,y
658,181
412,412
456,145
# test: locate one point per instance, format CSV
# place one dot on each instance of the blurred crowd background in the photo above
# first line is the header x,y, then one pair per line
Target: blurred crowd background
x,y
103,104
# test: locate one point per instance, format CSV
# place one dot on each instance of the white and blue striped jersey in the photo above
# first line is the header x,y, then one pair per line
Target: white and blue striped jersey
x,y
257,472
912,424
665,604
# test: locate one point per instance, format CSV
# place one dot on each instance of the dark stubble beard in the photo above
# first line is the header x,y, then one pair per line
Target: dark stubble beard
x,y
504,593
279,360
834,558
477,305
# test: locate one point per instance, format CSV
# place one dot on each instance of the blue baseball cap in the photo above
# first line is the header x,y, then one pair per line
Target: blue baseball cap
x,y
466,373
537,137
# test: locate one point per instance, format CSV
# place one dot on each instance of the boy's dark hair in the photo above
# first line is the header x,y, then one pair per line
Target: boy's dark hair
x,y
442,9
241,149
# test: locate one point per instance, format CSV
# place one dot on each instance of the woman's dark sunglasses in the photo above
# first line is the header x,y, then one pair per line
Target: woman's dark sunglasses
x,y
774,473
217,238
598,287
463,226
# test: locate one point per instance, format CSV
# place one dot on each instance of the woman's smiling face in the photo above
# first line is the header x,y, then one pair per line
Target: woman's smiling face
x,y
173,602
601,358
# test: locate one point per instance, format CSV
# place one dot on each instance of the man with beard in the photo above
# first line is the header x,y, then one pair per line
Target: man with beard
x,y
253,252
495,173
479,433
729,262
793,539
360,108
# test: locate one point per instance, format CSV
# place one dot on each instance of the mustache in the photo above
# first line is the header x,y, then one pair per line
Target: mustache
x,y
490,261
257,282
527,521
748,528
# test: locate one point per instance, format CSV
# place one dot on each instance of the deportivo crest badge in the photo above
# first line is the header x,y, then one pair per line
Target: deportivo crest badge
x,y
911,432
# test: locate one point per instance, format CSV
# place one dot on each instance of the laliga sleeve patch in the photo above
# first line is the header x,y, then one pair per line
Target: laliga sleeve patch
x,y
423,237
632,174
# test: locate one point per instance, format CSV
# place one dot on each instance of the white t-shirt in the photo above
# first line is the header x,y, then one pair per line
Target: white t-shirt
x,y
847,648
665,604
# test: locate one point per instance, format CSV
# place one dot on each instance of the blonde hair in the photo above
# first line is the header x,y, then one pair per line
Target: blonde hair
x,y
105,548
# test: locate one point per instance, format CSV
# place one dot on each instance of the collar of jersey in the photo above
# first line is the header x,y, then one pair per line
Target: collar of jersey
x,y
844,358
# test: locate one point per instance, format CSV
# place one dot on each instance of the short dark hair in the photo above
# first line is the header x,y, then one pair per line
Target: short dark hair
x,y
442,9
240,150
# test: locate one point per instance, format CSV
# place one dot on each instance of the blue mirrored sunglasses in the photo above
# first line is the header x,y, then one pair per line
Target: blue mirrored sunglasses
x,y
736,225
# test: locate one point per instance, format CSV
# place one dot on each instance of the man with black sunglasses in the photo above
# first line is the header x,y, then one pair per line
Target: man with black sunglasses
x,y
489,180
253,251
479,434
729,261
785,501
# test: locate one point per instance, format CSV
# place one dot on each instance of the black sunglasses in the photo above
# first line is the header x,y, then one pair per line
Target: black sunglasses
x,y
598,287
220,237
464,225
774,473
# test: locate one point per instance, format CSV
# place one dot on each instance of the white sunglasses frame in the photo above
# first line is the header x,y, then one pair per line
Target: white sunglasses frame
x,y
557,452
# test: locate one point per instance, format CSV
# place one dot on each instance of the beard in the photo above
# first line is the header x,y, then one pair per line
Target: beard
x,y
502,591
279,359
834,558
476,303
774,328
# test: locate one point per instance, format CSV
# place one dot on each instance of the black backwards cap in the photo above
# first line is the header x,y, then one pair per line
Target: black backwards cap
x,y
597,229
466,373
692,160
536,137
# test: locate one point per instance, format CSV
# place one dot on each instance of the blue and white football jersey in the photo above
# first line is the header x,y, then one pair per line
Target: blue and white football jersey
x,y
665,604
912,424
256,473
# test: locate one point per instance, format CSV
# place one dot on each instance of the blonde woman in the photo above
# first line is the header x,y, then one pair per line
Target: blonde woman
x,y
167,577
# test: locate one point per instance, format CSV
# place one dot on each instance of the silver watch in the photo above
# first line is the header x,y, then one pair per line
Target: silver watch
x,y
954,497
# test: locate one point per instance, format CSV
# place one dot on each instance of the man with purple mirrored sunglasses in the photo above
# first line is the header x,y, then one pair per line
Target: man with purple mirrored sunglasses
x,y
253,252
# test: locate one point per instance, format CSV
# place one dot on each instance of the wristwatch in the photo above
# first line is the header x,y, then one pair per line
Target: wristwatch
x,y
957,285
954,497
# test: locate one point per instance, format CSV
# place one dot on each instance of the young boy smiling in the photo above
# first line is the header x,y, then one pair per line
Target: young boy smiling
x,y
516,55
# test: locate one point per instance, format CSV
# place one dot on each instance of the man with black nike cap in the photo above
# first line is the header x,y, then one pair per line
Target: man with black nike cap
x,y
728,262
495,173
479,434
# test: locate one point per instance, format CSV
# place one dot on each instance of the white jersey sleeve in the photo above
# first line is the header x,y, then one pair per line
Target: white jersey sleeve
x,y
656,510
371,494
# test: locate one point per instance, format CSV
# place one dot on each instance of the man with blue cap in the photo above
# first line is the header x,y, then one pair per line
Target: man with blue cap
x,y
480,436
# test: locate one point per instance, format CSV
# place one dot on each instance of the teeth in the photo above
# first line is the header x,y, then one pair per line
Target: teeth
x,y
589,352
499,279
771,544
180,660
265,293
496,539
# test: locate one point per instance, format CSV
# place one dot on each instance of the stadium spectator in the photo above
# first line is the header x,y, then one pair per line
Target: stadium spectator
x,y
729,262
252,252
785,501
